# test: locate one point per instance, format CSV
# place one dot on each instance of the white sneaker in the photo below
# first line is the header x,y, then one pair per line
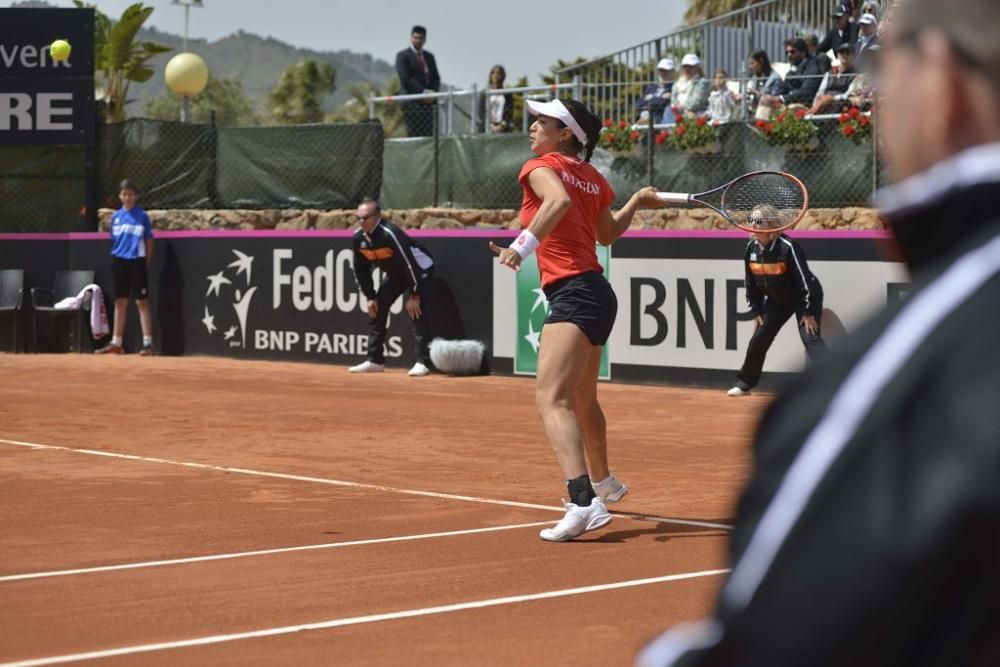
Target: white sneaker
x,y
578,520
419,370
610,489
367,367
738,391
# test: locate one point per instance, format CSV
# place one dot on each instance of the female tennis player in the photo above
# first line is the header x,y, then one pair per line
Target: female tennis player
x,y
564,212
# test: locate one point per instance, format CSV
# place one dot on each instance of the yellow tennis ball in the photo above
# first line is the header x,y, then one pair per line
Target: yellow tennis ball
x,y
60,49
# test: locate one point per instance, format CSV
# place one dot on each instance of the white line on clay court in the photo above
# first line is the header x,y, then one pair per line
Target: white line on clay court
x,y
355,485
357,620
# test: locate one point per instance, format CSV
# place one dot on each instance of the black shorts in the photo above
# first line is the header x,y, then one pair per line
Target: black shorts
x,y
587,301
131,278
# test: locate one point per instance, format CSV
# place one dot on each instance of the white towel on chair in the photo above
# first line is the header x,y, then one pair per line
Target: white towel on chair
x,y
90,298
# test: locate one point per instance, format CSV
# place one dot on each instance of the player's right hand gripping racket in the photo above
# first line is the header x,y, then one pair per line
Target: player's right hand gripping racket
x,y
754,202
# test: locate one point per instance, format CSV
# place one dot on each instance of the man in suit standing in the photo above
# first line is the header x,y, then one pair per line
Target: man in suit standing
x,y
867,42
418,73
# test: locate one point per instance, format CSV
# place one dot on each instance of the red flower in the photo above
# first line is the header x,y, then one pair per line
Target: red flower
x,y
678,119
666,133
660,139
769,128
780,118
701,121
844,117
622,124
800,114
863,121
854,112
848,130
761,124
633,135
608,122
680,131
610,136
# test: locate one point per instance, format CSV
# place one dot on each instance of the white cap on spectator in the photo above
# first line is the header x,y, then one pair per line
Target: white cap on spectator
x,y
665,63
690,59
867,19
556,109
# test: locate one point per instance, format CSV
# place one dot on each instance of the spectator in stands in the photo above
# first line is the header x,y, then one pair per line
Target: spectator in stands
x,y
418,73
655,97
843,32
833,90
867,41
863,89
721,101
763,80
497,107
823,60
696,99
802,80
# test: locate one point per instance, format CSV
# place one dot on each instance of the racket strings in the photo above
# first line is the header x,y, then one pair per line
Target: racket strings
x,y
764,201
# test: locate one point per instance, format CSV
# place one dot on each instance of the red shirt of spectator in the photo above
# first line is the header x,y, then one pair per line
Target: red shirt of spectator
x,y
569,249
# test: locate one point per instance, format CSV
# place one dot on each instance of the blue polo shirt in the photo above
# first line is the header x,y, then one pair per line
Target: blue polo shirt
x,y
129,231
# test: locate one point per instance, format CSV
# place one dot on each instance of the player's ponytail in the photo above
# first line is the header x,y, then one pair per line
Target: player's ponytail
x,y
588,122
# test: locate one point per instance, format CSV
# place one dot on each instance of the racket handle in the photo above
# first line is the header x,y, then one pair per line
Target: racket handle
x,y
674,197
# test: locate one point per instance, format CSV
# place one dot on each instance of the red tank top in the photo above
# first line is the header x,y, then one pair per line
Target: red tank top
x,y
569,249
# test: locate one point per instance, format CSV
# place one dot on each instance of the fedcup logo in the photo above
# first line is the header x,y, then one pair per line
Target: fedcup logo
x,y
532,309
227,304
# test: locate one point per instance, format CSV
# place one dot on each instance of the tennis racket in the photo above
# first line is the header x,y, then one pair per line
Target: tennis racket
x,y
759,201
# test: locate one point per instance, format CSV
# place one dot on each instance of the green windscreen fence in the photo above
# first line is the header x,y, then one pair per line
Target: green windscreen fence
x,y
42,188
332,166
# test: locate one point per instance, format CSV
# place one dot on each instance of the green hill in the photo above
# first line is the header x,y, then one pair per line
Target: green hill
x,y
256,62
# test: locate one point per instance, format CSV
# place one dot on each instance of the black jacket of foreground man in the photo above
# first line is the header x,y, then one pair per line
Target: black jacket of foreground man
x,y
389,248
888,554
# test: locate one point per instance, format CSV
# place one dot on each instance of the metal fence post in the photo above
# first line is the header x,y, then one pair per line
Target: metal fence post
x,y
213,155
649,151
577,86
437,139
371,104
475,111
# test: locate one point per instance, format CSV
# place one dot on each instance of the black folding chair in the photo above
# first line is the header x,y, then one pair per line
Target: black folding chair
x,y
66,284
11,295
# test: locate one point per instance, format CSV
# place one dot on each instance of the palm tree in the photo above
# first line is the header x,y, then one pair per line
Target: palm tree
x,y
119,59
355,110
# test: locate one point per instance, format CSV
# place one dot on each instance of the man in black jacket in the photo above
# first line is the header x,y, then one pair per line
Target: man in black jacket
x,y
407,266
778,285
845,32
418,73
802,80
869,534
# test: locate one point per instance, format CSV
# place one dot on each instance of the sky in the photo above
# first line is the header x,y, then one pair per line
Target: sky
x,y
467,37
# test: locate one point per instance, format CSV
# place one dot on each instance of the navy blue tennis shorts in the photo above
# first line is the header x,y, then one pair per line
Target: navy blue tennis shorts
x,y
587,301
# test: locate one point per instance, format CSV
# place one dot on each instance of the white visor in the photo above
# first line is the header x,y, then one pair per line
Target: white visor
x,y
556,109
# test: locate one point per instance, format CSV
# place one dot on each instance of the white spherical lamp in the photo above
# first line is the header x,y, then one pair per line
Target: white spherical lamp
x,y
186,74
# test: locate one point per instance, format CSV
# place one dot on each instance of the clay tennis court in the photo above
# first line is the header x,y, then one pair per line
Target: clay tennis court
x,y
169,510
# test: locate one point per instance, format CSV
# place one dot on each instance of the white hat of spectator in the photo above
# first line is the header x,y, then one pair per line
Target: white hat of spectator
x,y
556,109
867,19
665,63
690,60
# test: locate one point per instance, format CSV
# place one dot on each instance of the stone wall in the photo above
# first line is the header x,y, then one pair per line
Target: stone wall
x,y
448,218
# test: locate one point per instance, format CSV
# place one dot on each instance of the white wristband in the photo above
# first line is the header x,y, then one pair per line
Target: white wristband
x,y
524,244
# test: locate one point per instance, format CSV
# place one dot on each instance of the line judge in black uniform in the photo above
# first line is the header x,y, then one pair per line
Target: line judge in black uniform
x,y
418,73
379,244
869,532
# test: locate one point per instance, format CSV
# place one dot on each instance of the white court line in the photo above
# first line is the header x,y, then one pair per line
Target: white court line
x,y
263,552
357,620
355,485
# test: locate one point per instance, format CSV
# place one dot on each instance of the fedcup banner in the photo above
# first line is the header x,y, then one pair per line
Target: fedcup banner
x,y
533,307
